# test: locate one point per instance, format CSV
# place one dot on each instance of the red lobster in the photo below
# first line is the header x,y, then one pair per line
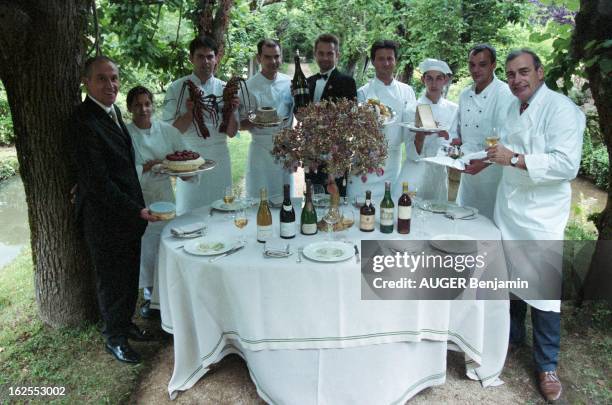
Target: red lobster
x,y
229,92
202,105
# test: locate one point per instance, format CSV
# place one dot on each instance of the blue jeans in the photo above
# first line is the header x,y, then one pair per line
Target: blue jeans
x,y
546,333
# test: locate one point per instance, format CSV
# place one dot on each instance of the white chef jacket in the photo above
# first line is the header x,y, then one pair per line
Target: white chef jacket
x,y
534,204
262,170
430,181
400,97
153,144
212,183
478,115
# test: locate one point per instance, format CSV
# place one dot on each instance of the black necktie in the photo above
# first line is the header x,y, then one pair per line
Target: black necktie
x,y
523,107
320,76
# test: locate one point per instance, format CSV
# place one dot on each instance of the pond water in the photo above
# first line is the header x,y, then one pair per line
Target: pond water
x,y
14,231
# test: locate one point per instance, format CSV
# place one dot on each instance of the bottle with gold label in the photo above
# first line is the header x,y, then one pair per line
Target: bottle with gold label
x,y
387,210
367,214
308,223
404,210
264,218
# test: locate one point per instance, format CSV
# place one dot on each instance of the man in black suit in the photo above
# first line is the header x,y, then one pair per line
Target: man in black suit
x,y
329,84
109,204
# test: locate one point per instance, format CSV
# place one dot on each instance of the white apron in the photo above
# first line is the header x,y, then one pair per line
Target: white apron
x,y
162,139
429,180
534,204
478,115
262,170
399,97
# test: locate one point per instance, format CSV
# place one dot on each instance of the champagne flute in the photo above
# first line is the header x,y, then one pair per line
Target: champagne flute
x,y
241,220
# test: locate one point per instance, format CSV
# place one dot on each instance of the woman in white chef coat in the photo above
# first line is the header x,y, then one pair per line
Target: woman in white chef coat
x,y
430,181
540,155
397,95
152,140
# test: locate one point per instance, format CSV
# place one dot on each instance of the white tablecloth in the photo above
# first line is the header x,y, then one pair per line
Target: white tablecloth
x,y
305,332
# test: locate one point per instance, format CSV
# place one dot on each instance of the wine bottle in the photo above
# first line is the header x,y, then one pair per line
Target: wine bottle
x,y
404,210
308,221
287,216
264,218
367,214
387,209
299,86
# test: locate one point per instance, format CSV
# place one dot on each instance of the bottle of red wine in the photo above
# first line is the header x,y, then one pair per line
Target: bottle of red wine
x,y
299,86
367,214
387,210
308,224
287,216
404,210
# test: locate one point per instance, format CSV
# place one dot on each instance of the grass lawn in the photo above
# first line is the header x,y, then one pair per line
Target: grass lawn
x,y
239,149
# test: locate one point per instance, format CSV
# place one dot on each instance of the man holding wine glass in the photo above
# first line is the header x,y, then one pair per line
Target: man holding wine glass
x,y
267,88
540,155
482,107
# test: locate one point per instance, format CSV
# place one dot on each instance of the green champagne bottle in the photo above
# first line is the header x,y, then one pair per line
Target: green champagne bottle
x,y
387,210
308,219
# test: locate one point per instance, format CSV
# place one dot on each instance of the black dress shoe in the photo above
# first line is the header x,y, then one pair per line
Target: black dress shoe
x,y
122,351
147,312
139,335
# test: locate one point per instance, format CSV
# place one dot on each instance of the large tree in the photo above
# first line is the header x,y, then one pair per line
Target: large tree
x,y
41,53
592,45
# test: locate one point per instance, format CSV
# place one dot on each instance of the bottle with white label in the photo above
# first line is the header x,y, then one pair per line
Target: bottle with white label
x,y
287,216
264,218
404,210
367,214
387,210
308,221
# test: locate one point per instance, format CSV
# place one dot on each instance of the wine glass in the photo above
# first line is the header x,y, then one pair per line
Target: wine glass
x,y
228,196
318,195
332,217
347,219
241,220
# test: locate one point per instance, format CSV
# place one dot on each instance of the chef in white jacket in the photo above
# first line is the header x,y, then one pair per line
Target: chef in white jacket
x,y
400,97
152,141
481,110
267,88
430,181
212,184
540,155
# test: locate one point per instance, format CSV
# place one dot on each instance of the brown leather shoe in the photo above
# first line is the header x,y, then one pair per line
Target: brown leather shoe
x,y
550,385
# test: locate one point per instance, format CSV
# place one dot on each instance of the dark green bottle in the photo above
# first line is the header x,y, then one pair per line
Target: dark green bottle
x,y
387,211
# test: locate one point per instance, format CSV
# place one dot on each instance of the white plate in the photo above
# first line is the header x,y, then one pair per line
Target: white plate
x,y
438,207
454,243
208,165
253,120
411,126
330,251
209,246
222,206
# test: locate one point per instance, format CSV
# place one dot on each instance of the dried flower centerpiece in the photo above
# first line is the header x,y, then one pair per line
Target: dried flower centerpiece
x,y
343,135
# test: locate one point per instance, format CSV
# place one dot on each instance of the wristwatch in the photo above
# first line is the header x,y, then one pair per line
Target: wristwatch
x,y
514,160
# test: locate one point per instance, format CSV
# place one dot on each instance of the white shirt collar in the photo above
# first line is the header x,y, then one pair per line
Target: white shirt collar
x,y
197,80
328,73
105,108
381,83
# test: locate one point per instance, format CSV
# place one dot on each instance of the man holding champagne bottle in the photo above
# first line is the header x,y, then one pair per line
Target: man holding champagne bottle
x,y
268,88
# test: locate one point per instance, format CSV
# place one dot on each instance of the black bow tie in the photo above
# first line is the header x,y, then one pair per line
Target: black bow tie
x,y
320,76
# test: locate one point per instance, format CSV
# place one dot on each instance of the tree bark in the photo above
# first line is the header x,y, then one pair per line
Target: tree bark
x,y
216,26
41,50
593,15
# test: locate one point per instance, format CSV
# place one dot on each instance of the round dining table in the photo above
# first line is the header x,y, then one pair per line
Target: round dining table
x,y
307,331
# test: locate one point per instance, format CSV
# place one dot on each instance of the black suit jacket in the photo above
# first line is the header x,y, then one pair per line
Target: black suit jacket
x,y
109,196
338,86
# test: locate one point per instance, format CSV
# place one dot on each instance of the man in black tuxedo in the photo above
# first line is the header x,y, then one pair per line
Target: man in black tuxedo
x,y
109,205
329,84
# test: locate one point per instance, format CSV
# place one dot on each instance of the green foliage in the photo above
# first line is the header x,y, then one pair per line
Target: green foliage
x,y
595,159
8,167
7,136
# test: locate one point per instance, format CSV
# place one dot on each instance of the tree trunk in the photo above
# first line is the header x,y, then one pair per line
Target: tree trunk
x,y
351,64
593,15
406,74
41,48
216,26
